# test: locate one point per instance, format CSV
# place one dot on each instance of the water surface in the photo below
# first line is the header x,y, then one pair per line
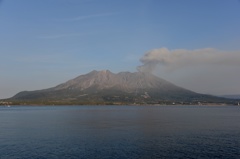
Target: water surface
x,y
71,132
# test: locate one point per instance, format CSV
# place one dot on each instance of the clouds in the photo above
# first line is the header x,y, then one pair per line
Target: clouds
x,y
180,58
85,17
75,19
57,36
90,16
205,70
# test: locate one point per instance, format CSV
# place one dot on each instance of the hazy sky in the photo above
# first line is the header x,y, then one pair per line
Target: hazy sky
x,y
192,43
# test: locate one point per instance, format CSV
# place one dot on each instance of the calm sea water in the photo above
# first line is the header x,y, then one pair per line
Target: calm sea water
x,y
57,132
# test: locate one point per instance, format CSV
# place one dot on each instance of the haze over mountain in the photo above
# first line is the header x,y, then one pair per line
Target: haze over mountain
x,y
101,87
233,96
177,40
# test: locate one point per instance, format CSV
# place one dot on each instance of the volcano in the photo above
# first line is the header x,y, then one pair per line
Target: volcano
x,y
105,87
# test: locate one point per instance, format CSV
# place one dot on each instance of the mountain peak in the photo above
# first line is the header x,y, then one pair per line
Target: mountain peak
x,y
105,71
100,86
100,72
124,81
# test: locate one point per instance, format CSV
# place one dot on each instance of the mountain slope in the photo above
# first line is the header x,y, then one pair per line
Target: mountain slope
x,y
236,96
101,87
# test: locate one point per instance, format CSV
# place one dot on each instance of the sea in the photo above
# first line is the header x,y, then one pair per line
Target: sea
x,y
119,132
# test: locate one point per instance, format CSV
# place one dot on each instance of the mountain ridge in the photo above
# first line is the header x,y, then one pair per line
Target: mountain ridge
x,y
105,87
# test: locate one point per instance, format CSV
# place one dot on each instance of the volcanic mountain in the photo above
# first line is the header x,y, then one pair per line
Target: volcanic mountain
x,y
105,87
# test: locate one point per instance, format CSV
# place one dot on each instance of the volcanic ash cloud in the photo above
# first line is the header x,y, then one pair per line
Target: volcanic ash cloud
x,y
179,58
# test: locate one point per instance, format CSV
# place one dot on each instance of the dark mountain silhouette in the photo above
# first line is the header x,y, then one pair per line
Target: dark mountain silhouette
x,y
105,87
233,96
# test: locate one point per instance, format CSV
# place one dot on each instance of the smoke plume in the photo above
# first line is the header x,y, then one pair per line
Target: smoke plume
x,y
179,58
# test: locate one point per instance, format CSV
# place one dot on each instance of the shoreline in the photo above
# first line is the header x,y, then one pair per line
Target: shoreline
x,y
150,105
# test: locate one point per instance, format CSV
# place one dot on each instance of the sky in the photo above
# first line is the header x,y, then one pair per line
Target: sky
x,y
194,44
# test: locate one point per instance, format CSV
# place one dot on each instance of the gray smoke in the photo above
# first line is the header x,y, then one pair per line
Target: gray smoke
x,y
179,58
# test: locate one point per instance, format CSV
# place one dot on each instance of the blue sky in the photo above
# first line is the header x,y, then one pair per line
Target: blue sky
x,y
44,43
